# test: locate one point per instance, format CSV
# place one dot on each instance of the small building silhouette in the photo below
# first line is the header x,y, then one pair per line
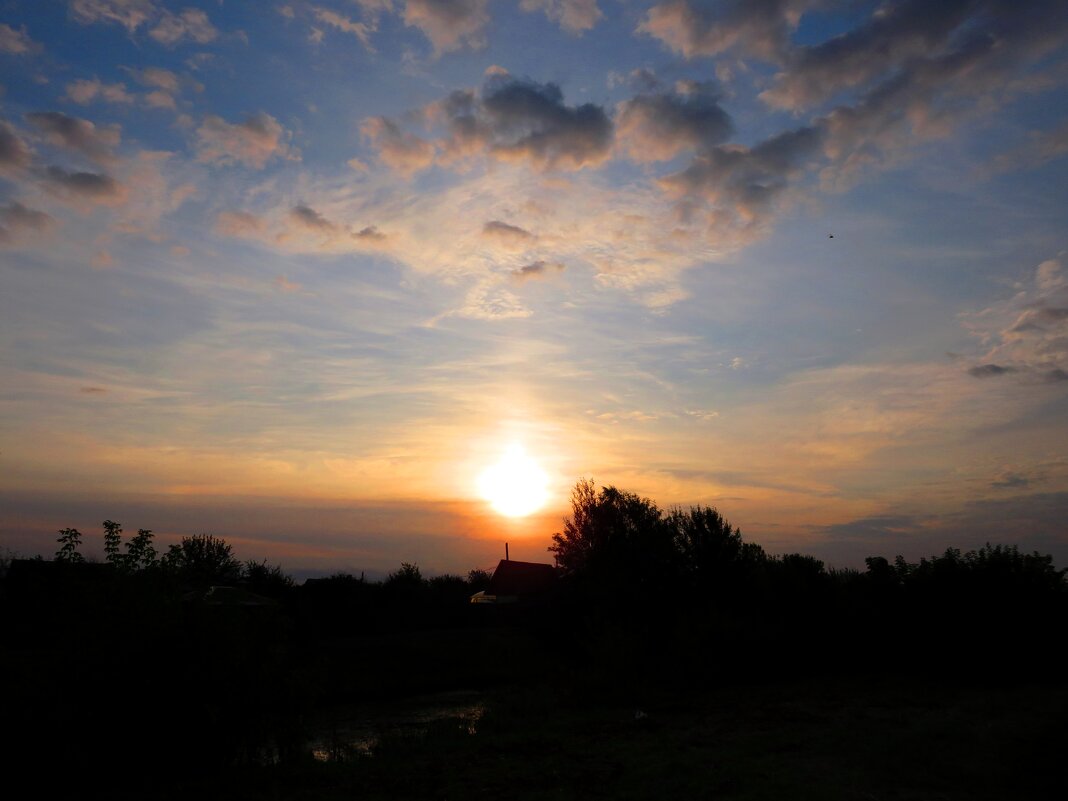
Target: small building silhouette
x,y
517,582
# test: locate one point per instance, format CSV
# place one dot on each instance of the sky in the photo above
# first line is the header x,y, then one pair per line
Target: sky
x,y
295,273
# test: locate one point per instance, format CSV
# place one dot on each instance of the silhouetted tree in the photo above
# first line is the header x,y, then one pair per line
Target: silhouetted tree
x,y
615,533
203,560
712,552
265,579
112,538
478,579
408,576
70,539
140,553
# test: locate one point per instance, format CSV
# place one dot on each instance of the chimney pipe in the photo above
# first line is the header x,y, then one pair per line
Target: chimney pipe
x,y
506,552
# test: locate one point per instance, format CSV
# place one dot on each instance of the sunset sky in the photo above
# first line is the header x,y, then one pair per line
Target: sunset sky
x,y
295,273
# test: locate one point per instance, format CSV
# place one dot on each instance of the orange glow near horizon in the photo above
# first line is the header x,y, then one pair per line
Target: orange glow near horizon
x,y
515,486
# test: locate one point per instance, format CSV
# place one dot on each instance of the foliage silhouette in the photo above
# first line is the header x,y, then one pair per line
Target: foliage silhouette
x,y
112,540
70,539
202,560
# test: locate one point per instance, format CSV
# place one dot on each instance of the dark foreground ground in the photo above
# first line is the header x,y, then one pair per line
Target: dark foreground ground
x,y
880,738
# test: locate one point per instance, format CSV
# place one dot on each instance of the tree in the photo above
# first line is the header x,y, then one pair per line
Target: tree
x,y
615,535
712,551
69,540
265,579
203,560
140,553
112,538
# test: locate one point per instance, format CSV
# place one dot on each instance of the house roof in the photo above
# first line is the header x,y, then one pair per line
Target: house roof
x,y
521,578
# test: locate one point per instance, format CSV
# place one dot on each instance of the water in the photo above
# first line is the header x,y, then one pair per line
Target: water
x,y
359,731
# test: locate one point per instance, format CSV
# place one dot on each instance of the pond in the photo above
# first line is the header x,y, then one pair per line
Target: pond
x,y
358,730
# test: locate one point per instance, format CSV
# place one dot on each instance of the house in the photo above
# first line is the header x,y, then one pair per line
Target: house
x,y
517,582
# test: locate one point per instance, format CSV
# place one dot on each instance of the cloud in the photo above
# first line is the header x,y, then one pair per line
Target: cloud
x,y
238,224
755,27
91,186
449,24
574,16
14,152
902,40
989,370
191,23
509,236
77,134
875,529
311,219
519,120
16,218
1042,147
253,142
160,99
360,30
84,92
1028,333
369,233
18,42
156,77
493,304
131,14
657,126
737,184
403,151
535,270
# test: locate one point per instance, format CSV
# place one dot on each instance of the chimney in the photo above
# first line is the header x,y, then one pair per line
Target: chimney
x,y
506,552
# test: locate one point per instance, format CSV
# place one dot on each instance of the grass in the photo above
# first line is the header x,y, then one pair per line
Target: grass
x,y
864,740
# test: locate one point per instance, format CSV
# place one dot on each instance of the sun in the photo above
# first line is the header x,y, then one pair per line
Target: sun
x,y
515,486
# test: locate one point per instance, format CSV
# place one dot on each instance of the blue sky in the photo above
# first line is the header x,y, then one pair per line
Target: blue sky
x,y
294,273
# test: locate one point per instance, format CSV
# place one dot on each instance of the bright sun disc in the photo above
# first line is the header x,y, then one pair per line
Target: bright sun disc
x,y
515,486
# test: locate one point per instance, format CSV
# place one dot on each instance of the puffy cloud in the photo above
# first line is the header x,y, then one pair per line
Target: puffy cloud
x,y
574,16
360,30
84,92
16,42
1027,334
91,186
657,126
14,152
253,142
76,134
158,78
160,99
131,14
449,24
521,120
191,23
537,269
238,224
909,38
403,151
755,27
509,236
739,183
309,218
15,218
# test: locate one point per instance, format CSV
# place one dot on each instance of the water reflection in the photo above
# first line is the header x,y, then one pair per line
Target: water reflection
x,y
359,731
